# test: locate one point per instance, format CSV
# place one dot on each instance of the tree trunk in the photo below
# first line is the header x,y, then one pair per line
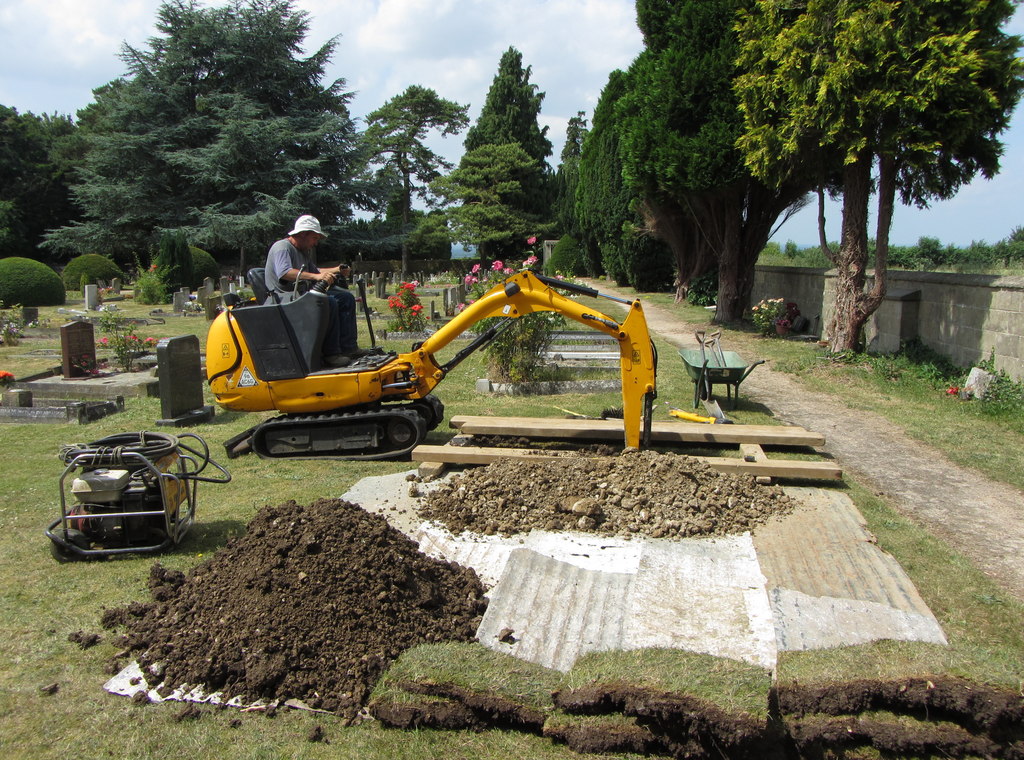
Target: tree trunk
x,y
848,319
667,221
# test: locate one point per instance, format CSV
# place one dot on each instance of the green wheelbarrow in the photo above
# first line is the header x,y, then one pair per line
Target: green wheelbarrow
x,y
709,365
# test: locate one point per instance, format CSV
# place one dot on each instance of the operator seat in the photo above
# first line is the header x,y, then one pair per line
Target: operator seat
x,y
256,279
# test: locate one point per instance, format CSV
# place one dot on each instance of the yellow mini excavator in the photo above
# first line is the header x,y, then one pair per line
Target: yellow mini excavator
x,y
262,358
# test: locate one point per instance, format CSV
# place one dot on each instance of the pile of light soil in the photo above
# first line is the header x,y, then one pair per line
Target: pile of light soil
x,y
637,492
312,603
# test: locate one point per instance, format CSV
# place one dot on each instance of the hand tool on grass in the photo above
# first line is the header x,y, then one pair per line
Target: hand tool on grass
x,y
716,415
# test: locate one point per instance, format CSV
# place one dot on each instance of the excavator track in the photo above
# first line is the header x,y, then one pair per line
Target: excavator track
x,y
379,432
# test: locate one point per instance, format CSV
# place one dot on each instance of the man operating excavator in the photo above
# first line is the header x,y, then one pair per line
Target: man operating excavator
x,y
290,264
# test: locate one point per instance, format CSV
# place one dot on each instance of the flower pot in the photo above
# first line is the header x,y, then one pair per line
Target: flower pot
x,y
781,329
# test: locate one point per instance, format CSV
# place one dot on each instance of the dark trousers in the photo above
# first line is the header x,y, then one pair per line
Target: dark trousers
x,y
342,336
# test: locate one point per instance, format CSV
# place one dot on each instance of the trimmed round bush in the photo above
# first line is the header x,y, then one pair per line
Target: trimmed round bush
x,y
203,266
29,283
91,266
567,257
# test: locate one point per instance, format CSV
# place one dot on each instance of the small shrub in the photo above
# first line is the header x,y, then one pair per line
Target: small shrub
x,y
517,354
704,289
203,266
766,313
150,289
121,338
568,257
89,269
29,283
11,326
406,310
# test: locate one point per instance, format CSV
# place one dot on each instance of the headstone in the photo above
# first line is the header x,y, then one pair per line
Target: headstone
x,y
92,297
77,349
212,307
181,382
208,284
29,314
115,286
381,287
17,398
225,285
179,300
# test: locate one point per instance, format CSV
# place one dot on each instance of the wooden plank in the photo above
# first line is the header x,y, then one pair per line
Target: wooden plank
x,y
779,468
662,432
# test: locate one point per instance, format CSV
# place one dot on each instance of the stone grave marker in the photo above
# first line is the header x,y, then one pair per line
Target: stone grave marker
x,y
181,382
115,286
179,300
208,284
77,348
225,285
92,297
29,314
212,307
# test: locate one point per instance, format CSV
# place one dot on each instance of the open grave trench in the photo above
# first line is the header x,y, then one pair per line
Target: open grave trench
x,y
550,564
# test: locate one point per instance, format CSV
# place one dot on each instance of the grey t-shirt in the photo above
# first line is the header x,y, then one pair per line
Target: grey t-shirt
x,y
281,257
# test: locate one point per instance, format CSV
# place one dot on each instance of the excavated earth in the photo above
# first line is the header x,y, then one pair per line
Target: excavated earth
x,y
638,492
315,602
312,603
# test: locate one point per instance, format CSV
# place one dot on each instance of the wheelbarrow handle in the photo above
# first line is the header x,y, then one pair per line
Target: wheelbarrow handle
x,y
748,370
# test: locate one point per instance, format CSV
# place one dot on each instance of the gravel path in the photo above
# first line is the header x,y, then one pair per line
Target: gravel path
x,y
979,517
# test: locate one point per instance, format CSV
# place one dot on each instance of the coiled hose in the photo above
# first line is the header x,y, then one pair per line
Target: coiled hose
x,y
125,450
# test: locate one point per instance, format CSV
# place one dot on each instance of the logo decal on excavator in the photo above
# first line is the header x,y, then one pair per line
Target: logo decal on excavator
x,y
246,380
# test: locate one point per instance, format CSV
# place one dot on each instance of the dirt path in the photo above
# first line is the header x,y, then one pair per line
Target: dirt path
x,y
977,516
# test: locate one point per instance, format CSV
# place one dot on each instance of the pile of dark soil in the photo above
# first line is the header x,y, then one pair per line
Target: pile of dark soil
x,y
638,492
312,603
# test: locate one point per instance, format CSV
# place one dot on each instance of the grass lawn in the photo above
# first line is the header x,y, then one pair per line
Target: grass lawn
x,y
42,602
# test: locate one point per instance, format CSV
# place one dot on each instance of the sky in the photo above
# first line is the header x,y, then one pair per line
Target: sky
x,y
53,53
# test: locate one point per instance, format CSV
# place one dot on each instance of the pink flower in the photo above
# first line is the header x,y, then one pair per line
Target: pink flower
x,y
507,270
476,269
529,261
531,240
471,280
497,266
104,341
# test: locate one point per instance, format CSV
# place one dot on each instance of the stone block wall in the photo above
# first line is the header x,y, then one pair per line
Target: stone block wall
x,y
965,317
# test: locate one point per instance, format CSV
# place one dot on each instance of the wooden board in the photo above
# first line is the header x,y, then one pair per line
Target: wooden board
x,y
778,468
661,432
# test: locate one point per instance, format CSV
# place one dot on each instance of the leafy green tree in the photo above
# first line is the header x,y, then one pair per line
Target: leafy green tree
x,y
486,195
509,115
678,123
920,89
430,238
34,194
396,134
175,265
567,179
603,199
219,129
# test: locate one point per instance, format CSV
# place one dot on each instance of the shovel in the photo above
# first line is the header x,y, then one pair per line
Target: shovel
x,y
717,417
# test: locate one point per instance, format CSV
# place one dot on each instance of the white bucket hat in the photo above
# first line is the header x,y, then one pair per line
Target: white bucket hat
x,y
307,223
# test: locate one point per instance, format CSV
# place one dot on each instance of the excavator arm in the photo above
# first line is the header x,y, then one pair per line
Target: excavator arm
x,y
526,293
